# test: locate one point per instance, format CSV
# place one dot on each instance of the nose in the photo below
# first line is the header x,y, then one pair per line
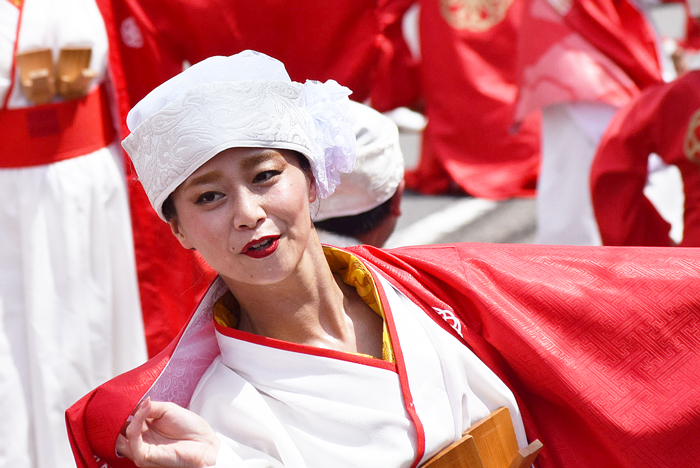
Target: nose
x,y
249,213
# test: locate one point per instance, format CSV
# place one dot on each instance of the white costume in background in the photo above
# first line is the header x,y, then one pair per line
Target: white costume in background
x,y
331,238
570,136
274,404
70,316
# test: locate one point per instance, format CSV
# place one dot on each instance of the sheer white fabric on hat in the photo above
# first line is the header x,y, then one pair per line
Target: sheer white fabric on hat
x,y
379,167
245,100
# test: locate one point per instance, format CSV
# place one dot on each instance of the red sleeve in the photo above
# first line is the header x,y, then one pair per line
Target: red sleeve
x,y
599,344
95,421
654,122
621,31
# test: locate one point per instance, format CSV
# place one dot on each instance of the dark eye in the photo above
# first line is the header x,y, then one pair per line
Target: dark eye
x,y
265,175
208,197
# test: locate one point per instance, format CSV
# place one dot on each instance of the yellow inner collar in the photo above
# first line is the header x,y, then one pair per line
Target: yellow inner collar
x,y
351,271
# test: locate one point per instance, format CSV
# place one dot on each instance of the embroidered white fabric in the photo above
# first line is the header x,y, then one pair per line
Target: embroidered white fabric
x,y
245,100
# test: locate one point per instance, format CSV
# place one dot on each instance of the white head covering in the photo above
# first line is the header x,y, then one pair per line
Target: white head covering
x,y
379,167
245,100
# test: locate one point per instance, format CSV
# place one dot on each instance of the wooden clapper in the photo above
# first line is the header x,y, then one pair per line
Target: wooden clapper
x,y
70,79
74,74
36,75
490,443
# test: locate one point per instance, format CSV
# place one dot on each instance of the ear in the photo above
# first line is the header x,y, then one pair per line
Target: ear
x,y
312,189
395,205
179,235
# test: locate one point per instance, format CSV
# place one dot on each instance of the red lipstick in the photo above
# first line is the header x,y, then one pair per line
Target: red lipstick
x,y
261,248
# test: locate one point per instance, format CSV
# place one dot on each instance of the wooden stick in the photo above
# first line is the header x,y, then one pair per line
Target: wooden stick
x,y
527,455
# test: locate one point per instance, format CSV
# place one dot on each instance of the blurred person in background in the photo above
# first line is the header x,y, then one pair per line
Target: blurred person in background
x,y
664,120
366,205
469,88
70,316
578,62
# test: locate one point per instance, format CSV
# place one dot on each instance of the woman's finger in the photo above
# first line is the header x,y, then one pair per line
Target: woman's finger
x,y
136,426
122,447
135,430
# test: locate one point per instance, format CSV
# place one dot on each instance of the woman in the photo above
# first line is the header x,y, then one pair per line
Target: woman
x,y
241,195
304,355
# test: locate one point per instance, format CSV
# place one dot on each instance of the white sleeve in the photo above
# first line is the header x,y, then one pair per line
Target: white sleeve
x,y
233,455
250,433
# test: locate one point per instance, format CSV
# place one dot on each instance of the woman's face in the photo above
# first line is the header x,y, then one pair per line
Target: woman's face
x,y
247,213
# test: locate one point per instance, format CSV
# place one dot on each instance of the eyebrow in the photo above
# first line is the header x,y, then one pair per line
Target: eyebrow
x,y
203,179
247,164
252,161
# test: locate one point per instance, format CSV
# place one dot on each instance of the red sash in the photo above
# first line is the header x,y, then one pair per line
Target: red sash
x,y
32,136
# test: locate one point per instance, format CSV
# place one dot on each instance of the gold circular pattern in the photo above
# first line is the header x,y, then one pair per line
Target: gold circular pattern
x,y
474,15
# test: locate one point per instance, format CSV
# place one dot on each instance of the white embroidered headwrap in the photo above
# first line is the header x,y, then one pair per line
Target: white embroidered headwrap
x,y
379,167
245,100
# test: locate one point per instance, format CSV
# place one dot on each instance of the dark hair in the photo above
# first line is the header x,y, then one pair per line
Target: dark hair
x,y
168,209
359,224
170,213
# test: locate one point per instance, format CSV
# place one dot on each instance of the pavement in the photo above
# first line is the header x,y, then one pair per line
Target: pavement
x,y
436,219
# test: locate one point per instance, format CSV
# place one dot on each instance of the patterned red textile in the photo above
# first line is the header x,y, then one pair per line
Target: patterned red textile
x,y
664,120
469,88
357,43
583,50
599,344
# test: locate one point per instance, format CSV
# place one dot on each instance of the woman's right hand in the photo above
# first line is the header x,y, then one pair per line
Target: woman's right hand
x,y
163,434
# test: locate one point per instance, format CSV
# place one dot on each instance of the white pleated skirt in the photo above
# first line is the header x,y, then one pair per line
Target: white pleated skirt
x,y
70,315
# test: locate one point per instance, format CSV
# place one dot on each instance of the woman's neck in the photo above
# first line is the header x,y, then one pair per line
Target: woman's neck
x,y
312,307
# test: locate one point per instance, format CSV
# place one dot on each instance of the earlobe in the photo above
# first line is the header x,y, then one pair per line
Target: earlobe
x,y
179,235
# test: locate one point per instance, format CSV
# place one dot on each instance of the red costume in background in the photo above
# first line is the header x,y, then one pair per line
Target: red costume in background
x,y
468,52
357,43
664,120
598,344
583,50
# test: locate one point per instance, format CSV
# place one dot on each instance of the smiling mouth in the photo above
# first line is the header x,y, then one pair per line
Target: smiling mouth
x,y
262,247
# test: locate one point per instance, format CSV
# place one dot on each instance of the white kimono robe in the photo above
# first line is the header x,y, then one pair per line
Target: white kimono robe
x,y
277,404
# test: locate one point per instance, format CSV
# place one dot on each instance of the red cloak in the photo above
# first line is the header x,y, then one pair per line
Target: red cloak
x,y
600,345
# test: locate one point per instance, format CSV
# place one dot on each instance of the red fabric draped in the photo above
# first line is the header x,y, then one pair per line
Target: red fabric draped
x,y
583,50
599,344
620,31
662,120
